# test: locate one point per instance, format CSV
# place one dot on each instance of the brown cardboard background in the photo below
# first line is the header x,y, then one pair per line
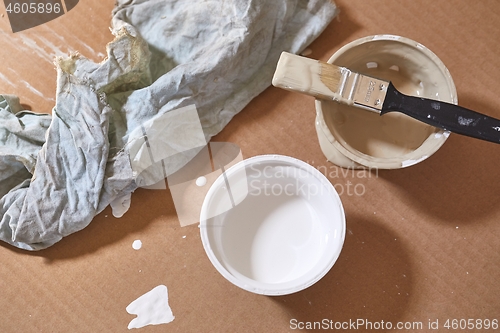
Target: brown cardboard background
x,y
422,243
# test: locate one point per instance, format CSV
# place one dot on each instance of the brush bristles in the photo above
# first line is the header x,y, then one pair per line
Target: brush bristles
x,y
307,76
330,76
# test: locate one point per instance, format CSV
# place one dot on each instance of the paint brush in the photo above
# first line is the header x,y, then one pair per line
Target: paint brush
x,y
330,82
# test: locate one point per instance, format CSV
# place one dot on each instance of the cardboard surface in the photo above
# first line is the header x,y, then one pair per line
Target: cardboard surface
x,y
422,243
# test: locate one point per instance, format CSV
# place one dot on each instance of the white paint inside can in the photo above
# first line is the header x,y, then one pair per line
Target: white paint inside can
x,y
284,235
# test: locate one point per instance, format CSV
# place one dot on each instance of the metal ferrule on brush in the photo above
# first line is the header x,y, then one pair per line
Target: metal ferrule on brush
x,y
362,90
330,82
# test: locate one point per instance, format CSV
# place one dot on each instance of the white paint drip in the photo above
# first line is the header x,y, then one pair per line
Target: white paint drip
x,y
151,308
121,205
137,244
408,163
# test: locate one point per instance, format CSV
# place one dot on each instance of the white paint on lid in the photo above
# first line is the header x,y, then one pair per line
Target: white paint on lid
x,y
151,308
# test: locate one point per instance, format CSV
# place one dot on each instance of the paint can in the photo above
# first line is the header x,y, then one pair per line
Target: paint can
x,y
272,225
355,138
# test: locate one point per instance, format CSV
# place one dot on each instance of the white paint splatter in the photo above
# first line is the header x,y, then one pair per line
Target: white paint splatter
x,y
464,121
121,205
36,49
56,51
45,48
151,308
137,244
201,181
3,78
14,39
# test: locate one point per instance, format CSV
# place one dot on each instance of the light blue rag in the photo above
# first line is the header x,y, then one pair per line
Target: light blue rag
x,y
59,171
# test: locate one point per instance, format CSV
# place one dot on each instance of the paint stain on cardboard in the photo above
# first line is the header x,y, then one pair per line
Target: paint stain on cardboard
x,y
151,308
137,244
